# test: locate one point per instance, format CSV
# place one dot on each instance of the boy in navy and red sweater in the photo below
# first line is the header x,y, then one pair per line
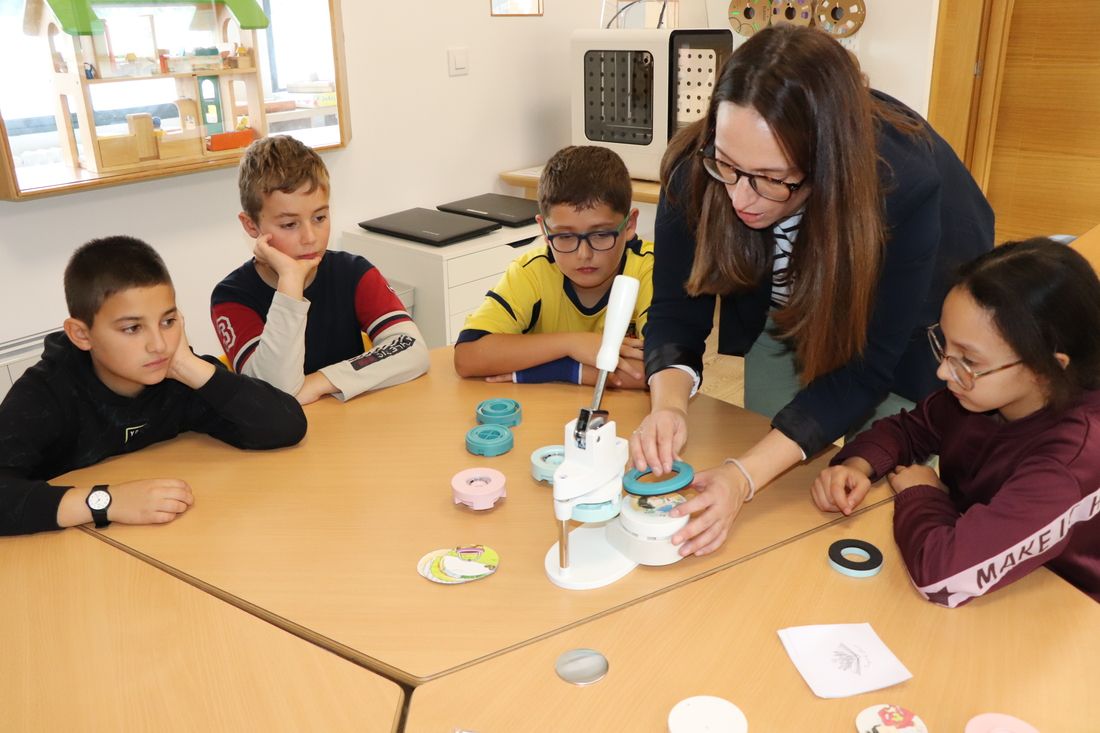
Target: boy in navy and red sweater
x,y
295,314
121,377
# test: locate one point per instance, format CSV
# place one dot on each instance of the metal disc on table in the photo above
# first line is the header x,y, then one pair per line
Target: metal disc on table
x,y
581,666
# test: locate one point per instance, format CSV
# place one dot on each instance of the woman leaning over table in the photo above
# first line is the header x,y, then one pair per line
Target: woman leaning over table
x,y
830,218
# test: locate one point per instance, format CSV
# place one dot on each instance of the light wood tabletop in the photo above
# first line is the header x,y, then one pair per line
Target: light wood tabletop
x,y
1088,244
323,539
96,640
648,192
1028,650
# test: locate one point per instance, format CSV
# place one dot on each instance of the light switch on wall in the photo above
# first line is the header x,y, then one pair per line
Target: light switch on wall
x,y
458,61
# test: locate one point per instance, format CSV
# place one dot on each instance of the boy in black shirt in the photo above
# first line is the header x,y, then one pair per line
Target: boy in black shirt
x,y
121,377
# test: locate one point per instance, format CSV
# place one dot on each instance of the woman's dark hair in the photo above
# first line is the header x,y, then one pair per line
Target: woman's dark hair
x,y
814,98
1044,298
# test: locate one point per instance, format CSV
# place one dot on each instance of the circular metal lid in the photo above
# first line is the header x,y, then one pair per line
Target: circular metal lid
x,y
581,666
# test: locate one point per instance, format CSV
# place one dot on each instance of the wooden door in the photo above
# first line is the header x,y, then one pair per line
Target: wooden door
x,y
1033,114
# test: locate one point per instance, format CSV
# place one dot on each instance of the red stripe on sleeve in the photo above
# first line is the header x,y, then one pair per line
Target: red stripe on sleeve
x,y
236,325
374,298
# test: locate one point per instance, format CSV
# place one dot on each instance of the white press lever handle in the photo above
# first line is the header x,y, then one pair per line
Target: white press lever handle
x,y
620,307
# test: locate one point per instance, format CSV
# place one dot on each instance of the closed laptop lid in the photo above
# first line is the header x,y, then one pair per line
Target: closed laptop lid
x,y
511,211
429,226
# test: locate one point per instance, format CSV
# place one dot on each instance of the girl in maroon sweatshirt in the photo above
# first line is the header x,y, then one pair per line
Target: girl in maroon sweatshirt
x,y
1017,430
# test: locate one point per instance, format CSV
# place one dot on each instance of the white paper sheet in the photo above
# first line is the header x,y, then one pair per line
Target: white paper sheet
x,y
841,660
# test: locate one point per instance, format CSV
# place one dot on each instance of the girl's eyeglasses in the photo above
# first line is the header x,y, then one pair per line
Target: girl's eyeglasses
x,y
963,375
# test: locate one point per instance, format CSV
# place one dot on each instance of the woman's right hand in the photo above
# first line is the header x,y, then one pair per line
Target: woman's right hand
x,y
657,441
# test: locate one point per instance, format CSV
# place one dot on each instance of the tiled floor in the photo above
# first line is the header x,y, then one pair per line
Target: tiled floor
x,y
723,376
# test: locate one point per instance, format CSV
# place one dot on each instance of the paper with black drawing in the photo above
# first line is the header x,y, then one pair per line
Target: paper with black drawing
x,y
840,660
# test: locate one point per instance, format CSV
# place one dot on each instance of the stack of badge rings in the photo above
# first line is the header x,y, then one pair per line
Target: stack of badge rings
x,y
645,527
840,18
870,562
545,460
499,411
478,488
489,440
792,12
747,17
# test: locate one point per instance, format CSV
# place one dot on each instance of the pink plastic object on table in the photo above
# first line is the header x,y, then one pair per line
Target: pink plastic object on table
x,y
478,488
998,723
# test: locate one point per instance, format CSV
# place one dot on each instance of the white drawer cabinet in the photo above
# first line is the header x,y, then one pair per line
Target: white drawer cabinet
x,y
449,282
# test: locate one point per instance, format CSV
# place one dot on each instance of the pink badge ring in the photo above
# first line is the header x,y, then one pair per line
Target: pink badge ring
x,y
478,488
998,723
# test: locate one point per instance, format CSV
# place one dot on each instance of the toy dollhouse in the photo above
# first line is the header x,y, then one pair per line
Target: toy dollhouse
x,y
191,63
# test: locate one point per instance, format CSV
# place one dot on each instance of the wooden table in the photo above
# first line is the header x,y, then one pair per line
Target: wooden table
x,y
1029,650
528,179
323,539
96,640
1088,244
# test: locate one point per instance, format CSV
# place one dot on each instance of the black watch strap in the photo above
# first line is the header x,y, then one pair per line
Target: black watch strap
x,y
99,516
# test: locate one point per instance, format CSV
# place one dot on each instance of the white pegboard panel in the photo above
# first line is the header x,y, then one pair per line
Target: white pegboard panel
x,y
696,70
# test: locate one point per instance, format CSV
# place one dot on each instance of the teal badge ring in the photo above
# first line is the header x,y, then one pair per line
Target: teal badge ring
x,y
499,411
684,475
600,512
868,564
545,460
489,440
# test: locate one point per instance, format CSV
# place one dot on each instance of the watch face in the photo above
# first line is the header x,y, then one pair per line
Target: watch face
x,y
99,500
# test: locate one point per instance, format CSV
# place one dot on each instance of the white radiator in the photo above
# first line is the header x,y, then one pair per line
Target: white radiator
x,y
16,356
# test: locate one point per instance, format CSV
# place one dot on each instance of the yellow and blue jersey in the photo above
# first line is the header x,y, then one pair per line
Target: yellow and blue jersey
x,y
533,296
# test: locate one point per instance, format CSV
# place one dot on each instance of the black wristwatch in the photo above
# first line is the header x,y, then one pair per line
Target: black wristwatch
x,y
99,498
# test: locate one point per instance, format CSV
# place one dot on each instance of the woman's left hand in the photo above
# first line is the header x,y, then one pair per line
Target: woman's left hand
x,y
904,477
721,492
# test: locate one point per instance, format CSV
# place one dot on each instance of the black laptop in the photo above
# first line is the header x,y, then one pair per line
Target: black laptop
x,y
511,211
429,226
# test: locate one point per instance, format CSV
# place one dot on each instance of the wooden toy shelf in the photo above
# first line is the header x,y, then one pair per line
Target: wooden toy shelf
x,y
107,137
170,75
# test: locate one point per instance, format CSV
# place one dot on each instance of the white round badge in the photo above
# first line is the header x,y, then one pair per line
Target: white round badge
x,y
706,714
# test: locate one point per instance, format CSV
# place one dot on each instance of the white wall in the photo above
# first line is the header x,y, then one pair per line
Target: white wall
x,y
894,45
419,138
895,48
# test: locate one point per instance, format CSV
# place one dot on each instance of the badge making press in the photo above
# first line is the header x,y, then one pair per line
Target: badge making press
x,y
617,533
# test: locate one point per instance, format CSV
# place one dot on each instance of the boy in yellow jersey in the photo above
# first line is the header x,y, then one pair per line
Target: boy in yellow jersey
x,y
544,320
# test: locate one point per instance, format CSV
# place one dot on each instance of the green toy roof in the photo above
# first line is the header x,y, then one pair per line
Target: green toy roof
x,y
78,19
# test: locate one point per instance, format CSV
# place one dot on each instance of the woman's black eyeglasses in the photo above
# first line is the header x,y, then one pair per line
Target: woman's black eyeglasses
x,y
772,189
